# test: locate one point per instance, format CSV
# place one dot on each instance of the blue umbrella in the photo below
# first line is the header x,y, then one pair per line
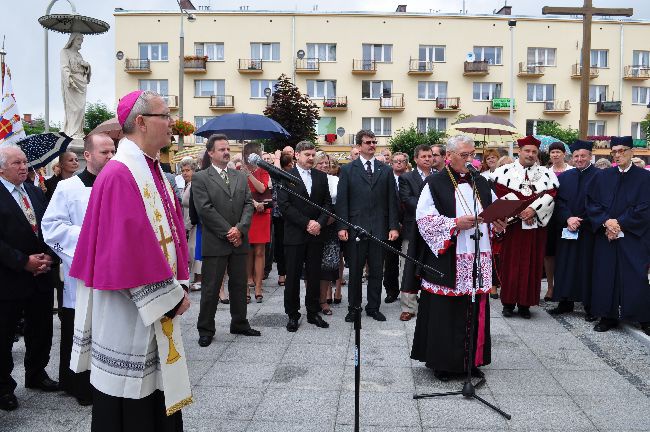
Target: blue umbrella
x,y
42,148
547,140
243,126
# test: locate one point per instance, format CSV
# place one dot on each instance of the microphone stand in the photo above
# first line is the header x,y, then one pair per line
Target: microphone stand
x,y
469,389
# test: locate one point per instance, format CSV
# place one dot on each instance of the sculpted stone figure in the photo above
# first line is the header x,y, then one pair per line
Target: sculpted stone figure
x,y
75,76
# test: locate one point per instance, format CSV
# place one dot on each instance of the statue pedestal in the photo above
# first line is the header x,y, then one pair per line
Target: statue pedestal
x,y
77,147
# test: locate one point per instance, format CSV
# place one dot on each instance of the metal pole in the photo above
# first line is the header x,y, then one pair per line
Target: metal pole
x,y
181,77
512,84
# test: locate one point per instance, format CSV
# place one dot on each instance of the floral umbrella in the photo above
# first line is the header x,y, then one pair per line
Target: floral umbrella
x,y
547,140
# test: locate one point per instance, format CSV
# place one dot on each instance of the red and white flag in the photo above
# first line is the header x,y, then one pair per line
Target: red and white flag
x,y
11,126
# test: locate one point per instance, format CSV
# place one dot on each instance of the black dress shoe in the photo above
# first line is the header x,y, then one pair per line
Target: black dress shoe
x,y
390,298
442,375
317,320
378,316
46,384
507,312
351,316
247,332
524,312
292,324
84,401
645,328
205,341
589,317
605,324
8,402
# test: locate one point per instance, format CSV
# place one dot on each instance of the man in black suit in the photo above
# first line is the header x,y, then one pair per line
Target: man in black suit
x,y
366,198
303,238
25,264
410,186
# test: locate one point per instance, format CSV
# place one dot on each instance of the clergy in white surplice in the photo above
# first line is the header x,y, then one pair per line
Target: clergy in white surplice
x,y
445,218
131,262
61,226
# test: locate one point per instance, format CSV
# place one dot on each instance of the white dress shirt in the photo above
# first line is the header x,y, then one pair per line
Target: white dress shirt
x,y
305,175
372,163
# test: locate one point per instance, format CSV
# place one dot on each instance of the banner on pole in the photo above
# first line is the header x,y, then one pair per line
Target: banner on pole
x,y
11,126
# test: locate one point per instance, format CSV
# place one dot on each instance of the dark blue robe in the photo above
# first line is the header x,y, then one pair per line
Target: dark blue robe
x,y
620,276
574,258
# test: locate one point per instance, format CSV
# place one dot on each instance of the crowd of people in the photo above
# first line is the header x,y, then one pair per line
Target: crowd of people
x,y
587,229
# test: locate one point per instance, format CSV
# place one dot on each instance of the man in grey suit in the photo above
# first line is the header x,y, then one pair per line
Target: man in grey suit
x,y
366,198
224,204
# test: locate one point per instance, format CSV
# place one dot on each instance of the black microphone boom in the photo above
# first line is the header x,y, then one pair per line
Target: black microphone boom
x,y
470,167
273,171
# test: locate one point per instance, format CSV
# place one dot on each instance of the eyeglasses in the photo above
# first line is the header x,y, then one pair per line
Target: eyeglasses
x,y
369,142
466,155
166,116
618,152
399,161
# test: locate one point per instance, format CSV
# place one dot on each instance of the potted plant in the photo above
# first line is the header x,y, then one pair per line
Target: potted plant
x,y
453,106
183,128
441,106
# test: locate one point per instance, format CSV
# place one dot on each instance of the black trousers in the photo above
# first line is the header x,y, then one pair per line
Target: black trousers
x,y
113,414
38,337
360,252
278,245
309,255
391,268
75,384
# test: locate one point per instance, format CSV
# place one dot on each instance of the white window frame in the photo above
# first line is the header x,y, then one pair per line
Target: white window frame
x,y
260,86
431,53
438,89
379,85
385,52
211,48
436,123
540,56
381,126
540,92
199,91
155,85
597,128
314,51
641,58
198,122
479,53
161,51
599,58
640,95
490,92
258,48
313,87
637,131
599,92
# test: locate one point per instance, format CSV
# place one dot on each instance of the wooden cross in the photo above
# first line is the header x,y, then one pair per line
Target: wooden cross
x,y
587,11
164,241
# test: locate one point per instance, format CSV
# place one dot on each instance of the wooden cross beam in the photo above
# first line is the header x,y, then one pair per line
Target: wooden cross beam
x,y
587,11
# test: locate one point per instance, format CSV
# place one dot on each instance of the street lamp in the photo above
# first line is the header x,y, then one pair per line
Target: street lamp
x,y
267,93
512,24
181,68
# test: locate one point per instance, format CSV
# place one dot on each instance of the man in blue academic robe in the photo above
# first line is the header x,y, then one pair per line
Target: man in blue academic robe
x,y
618,205
574,254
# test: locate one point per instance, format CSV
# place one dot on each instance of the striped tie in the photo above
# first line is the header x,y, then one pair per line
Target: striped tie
x,y
27,209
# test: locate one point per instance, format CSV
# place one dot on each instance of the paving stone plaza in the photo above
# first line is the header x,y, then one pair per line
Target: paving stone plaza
x,y
549,374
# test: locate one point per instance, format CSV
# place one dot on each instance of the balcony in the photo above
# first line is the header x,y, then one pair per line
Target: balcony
x,y
530,70
252,66
172,101
392,102
195,64
557,107
420,67
447,104
476,68
608,108
339,103
308,66
636,73
576,71
364,67
501,105
222,102
137,66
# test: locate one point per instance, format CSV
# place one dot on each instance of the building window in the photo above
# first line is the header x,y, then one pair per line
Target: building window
x,y
596,128
159,86
376,89
541,56
532,125
265,51
258,86
434,53
599,58
382,53
207,88
637,131
426,124
380,126
200,121
321,89
641,58
153,51
540,92
430,90
214,50
597,93
485,91
325,52
490,54
326,125
640,95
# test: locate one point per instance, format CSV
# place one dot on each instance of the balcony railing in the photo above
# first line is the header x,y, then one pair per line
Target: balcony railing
x,y
137,65
557,107
636,72
476,68
364,66
250,66
530,70
172,101
608,107
307,65
195,64
448,104
222,102
339,103
394,102
420,67
576,71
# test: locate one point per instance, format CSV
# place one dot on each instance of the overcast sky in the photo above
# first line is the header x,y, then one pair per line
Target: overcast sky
x,y
25,47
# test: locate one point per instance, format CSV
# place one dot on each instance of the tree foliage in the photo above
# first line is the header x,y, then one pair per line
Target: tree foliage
x,y
96,113
294,111
553,128
405,140
645,126
37,126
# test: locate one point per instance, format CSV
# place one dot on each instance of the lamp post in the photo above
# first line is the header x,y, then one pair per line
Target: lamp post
x,y
181,69
512,24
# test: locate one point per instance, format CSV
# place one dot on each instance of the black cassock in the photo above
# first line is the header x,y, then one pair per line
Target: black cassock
x,y
574,258
620,276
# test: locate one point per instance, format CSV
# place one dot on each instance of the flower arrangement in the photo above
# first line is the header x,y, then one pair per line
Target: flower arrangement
x,y
183,128
195,57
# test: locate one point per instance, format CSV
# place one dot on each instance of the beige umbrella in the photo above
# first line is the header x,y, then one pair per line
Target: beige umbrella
x,y
189,151
110,127
485,128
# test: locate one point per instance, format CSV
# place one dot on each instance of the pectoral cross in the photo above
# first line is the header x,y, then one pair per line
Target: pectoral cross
x,y
164,241
587,11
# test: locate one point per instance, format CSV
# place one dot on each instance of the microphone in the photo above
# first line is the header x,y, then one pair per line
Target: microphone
x,y
472,170
274,172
